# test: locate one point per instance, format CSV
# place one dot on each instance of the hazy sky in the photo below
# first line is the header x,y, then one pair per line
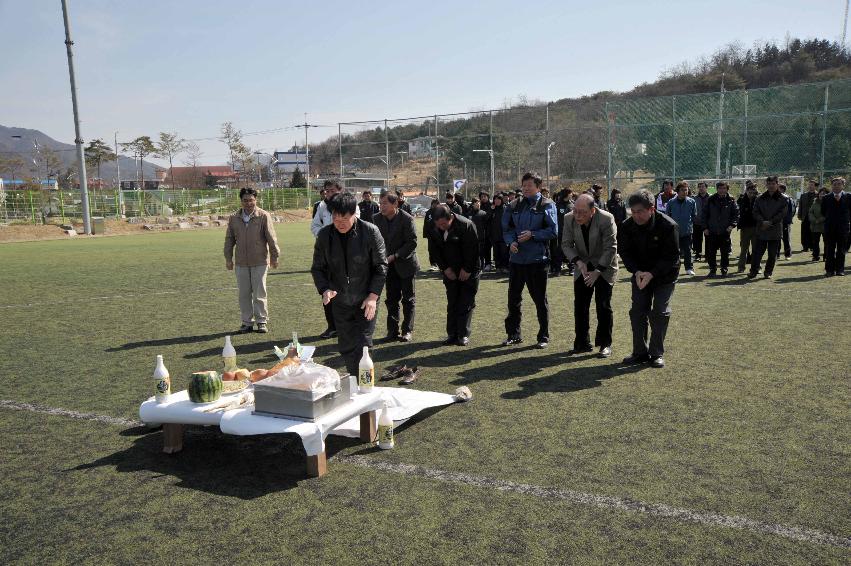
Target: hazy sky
x,y
145,66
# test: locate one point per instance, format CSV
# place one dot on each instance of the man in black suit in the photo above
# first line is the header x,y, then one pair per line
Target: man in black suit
x,y
649,246
368,208
836,209
455,246
400,241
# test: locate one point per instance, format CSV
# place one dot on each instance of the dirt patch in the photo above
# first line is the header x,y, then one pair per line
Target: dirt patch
x,y
36,232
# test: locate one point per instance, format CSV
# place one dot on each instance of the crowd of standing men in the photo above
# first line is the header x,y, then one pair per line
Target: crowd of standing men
x,y
363,247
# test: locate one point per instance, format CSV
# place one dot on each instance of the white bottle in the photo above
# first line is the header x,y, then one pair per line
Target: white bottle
x,y
162,382
366,372
229,356
385,430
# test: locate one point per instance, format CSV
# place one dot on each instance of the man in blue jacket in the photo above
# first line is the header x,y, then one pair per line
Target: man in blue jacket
x,y
528,225
683,210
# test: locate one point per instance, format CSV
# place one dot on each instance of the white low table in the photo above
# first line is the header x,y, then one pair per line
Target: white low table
x,y
179,410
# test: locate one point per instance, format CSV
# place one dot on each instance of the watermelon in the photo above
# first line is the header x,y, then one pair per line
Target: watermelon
x,y
205,387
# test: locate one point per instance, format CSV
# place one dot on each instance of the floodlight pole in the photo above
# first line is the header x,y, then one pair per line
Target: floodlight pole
x,y
81,160
549,147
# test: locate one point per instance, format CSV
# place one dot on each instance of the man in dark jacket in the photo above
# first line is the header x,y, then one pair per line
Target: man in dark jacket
x,y
428,230
400,243
500,249
836,209
454,207
617,207
804,204
769,210
403,203
349,269
367,207
455,246
648,245
564,206
481,220
527,228
791,207
700,200
720,216
747,225
598,196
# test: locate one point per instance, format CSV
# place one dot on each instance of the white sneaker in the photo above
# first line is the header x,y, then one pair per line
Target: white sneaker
x,y
690,272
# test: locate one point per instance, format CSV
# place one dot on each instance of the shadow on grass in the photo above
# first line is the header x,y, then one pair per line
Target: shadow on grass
x,y
802,279
401,428
169,341
518,366
245,467
288,272
571,379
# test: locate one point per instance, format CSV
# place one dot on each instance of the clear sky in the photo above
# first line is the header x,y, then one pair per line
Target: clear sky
x,y
145,66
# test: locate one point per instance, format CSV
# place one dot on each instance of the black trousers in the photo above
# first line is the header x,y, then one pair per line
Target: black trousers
x,y
484,252
835,246
650,305
760,246
534,276
556,255
500,254
602,294
787,242
329,316
714,243
815,238
806,240
400,289
697,239
460,302
354,332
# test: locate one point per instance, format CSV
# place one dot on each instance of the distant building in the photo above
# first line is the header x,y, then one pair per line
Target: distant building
x,y
287,161
200,175
17,184
421,147
133,185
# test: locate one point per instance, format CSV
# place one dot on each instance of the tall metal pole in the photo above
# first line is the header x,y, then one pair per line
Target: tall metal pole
x,y
745,144
387,152
340,146
674,135
490,134
720,130
547,144
81,160
608,147
118,178
306,154
845,25
823,134
436,157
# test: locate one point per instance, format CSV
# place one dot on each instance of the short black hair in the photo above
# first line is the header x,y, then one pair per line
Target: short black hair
x,y
450,195
343,203
720,184
247,191
771,178
367,194
536,177
484,193
595,187
391,198
642,197
333,183
667,182
441,212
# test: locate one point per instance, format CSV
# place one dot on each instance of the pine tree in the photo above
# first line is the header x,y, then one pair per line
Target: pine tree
x,y
298,180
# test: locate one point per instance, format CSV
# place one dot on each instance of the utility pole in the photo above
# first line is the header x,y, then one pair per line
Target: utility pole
x,y
81,160
720,130
307,149
118,175
845,25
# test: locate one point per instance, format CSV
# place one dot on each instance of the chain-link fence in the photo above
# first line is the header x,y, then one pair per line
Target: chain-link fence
x,y
628,143
37,206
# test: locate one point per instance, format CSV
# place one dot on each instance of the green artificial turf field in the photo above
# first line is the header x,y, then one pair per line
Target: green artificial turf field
x,y
749,419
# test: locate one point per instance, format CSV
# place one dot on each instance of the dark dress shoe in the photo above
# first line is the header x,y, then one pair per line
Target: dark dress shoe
x,y
390,338
542,344
246,328
636,359
329,333
605,351
658,362
451,340
409,375
512,340
580,350
462,341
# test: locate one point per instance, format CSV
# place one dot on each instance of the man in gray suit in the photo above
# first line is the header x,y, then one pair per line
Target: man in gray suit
x,y
589,240
400,240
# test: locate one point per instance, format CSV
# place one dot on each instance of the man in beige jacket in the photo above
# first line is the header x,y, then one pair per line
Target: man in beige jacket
x,y
589,239
251,231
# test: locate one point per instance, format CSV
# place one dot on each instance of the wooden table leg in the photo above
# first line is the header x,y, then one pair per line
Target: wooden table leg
x,y
367,427
317,466
172,438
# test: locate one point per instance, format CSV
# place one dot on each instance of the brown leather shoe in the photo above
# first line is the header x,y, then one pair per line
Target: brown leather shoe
x,y
409,375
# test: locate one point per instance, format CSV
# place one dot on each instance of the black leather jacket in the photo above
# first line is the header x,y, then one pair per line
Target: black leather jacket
x,y
355,276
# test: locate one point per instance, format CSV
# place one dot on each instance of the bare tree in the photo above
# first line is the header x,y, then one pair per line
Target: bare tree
x,y
167,147
193,156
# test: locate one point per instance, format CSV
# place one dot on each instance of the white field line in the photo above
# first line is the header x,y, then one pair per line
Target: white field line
x,y
219,289
541,492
